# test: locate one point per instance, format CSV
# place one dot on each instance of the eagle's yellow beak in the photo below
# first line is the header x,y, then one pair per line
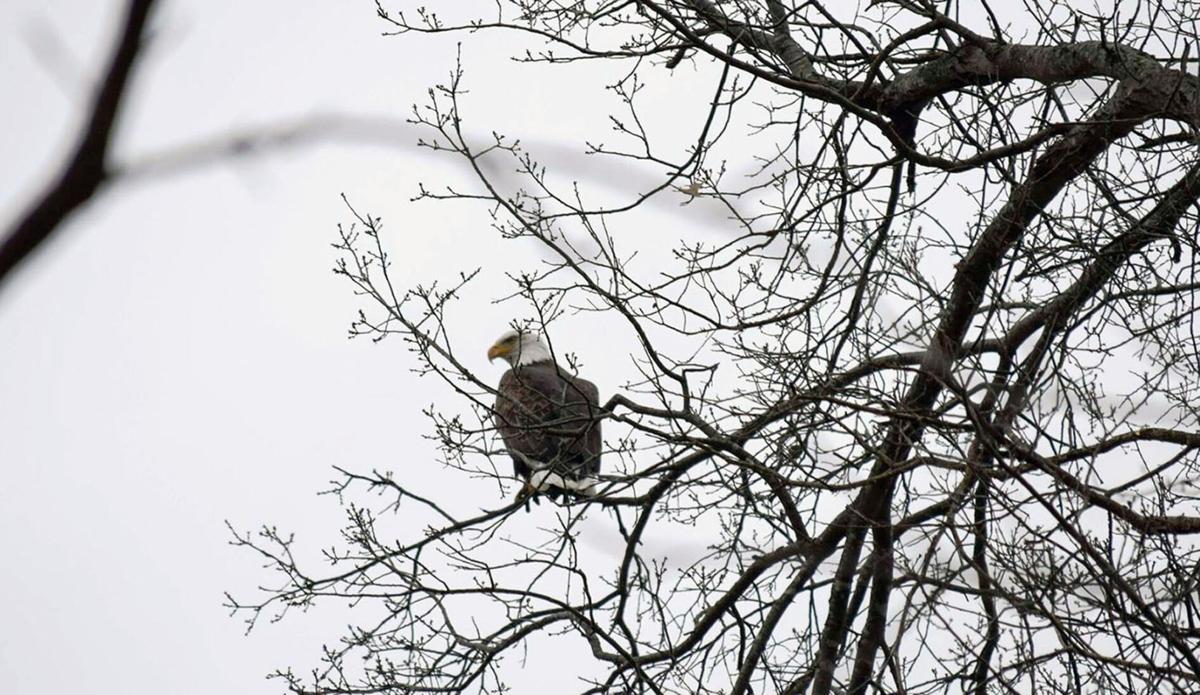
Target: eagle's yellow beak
x,y
497,350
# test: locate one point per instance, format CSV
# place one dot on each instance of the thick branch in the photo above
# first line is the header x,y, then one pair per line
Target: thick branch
x,y
86,170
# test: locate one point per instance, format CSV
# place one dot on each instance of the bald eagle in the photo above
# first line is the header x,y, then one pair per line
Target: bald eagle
x,y
548,418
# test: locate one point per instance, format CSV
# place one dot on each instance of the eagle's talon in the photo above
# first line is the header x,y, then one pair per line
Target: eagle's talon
x,y
525,494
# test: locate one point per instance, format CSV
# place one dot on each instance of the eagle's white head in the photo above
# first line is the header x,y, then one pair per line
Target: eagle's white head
x,y
519,348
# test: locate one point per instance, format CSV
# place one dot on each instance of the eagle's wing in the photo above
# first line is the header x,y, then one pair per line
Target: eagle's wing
x,y
583,411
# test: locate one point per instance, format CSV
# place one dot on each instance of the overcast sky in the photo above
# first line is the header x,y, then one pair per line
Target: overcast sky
x,y
177,357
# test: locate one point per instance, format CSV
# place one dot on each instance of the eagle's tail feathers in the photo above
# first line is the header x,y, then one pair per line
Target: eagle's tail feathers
x,y
546,479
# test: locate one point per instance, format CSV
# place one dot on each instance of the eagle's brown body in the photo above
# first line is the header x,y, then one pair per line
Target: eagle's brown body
x,y
549,420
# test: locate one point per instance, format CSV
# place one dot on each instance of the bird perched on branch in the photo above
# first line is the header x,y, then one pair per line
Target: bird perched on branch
x,y
548,418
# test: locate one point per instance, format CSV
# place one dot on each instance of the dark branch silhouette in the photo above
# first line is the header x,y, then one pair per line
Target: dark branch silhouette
x,y
87,167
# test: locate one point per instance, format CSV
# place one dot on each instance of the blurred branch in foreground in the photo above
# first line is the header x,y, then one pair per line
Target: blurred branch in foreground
x,y
87,169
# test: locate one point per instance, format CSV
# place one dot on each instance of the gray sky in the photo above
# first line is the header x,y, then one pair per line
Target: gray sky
x,y
177,356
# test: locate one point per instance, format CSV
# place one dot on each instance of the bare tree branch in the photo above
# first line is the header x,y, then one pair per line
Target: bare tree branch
x,y
87,168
